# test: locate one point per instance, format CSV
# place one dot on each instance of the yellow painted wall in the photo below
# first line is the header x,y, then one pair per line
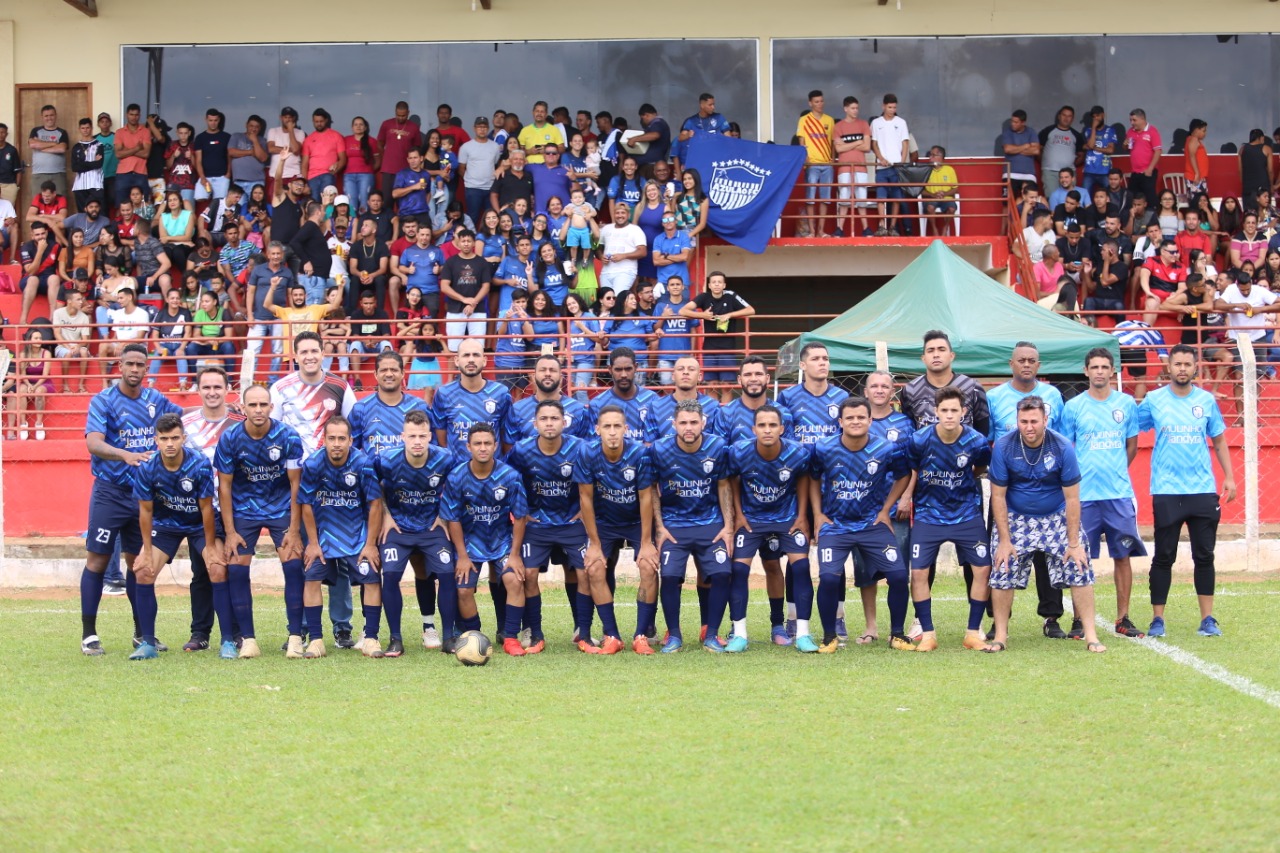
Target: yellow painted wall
x,y
51,42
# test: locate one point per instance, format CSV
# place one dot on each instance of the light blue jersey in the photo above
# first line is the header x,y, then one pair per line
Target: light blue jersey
x,y
1100,430
1003,402
1180,463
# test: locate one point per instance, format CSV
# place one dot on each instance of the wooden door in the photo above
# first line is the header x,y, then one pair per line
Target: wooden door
x,y
73,101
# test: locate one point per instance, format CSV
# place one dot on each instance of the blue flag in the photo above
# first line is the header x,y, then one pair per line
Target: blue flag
x,y
747,184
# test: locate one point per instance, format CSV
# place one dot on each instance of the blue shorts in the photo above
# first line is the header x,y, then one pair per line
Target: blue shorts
x,y
579,238
697,542
328,571
497,568
875,555
1118,520
613,538
941,206
167,542
771,541
432,544
969,537
250,529
567,542
888,176
113,514
818,175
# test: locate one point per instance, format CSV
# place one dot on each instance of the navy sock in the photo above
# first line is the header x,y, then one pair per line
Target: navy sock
x,y
977,609
90,597
789,580
372,618
584,609
425,590
448,603
717,600
777,611
608,621
828,602
571,593
145,595
704,595
221,591
469,623
511,627
393,601
739,590
924,612
131,592
294,583
498,593
802,589
646,613
242,600
899,595
533,615
844,587
315,626
670,592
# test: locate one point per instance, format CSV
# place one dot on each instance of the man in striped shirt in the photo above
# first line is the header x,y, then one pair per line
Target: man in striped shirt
x,y
1136,340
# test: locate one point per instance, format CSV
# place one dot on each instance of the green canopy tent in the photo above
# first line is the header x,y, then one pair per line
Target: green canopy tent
x,y
940,290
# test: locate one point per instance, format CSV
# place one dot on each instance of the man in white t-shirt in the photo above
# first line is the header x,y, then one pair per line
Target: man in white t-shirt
x,y
71,330
9,235
285,141
477,159
129,323
622,244
890,143
1242,303
1038,235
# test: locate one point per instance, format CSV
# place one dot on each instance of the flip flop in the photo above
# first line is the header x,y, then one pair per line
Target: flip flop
x,y
994,647
1096,648
867,639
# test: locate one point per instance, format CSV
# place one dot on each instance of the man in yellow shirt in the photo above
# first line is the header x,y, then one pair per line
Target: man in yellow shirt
x,y
817,133
534,136
297,317
940,193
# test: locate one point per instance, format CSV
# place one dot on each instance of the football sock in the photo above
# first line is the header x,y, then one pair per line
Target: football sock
x,y
242,602
802,587
294,582
584,612
372,619
646,614
670,592
447,601
222,606
924,612
777,612
90,596
844,590
131,592
315,626
802,627
899,595
828,602
740,628
425,588
511,624
704,595
498,593
717,600
607,620
533,615
788,582
571,593
739,590
145,595
977,609
393,601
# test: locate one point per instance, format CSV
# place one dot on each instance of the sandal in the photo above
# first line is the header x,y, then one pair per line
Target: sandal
x,y
867,639
994,647
1096,648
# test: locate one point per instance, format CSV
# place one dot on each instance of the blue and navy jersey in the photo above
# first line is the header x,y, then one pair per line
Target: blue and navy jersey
x,y
739,421
1180,462
1100,430
698,123
688,482
813,417
642,424
617,485
550,481
520,421
1003,401
1034,476
175,495
376,427
895,428
767,490
455,409
339,496
677,331
127,424
632,330
856,483
412,495
509,352
259,482
947,489
484,508
665,413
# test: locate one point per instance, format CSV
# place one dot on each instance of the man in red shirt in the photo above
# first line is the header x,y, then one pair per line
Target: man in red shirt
x,y
126,220
444,115
396,136
1193,237
51,209
133,147
853,141
1160,276
1145,148
39,259
324,154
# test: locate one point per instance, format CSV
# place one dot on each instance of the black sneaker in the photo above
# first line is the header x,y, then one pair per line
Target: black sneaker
x,y
991,635
160,647
342,639
1053,630
1125,628
447,645
650,632
1077,630
395,648
197,643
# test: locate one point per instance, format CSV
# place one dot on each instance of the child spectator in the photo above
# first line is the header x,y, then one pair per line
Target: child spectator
x,y
580,230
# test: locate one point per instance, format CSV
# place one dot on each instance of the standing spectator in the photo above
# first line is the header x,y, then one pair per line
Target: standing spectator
x,y
110,163
706,120
656,133
622,244
86,162
180,164
311,248
418,267
1100,143
48,144
1145,148
627,186
672,248
1021,147
890,142
852,144
691,205
285,146
465,280
448,128
286,212
249,155
369,263
582,121
324,153
412,188
538,134
364,158
676,330
1257,166
817,132
1195,170
397,137
1061,147
648,215
212,161
550,178
272,278
159,130
719,309
515,183
10,172
132,147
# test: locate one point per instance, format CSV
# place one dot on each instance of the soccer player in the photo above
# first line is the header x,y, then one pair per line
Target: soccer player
x,y
619,490
1103,425
948,458
1183,490
413,477
770,486
639,404
854,481
896,428
174,489
1003,401
258,471
484,503
552,471
691,469
120,434
1035,506
204,427
468,400
687,376
918,395
341,499
548,384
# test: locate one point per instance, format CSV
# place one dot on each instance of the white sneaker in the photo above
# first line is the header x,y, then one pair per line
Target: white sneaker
x,y
431,638
916,631
249,648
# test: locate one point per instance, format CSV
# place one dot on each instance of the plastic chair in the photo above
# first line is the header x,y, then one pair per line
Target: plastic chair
x,y
955,225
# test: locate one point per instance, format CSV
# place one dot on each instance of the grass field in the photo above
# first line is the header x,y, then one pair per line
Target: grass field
x,y
1043,745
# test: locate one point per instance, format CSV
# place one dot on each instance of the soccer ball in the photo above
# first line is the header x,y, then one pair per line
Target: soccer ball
x,y
473,649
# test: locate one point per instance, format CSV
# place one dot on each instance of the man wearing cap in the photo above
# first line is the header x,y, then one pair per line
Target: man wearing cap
x,y
324,153
285,142
477,159
132,147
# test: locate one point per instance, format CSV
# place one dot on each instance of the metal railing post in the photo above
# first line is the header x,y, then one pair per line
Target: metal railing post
x,y
1249,378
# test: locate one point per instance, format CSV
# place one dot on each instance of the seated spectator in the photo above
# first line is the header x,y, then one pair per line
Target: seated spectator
x,y
1066,183
1249,243
130,323
1030,203
370,332
1037,235
76,258
1148,245
1167,214
1046,272
171,336
72,331
1097,213
1192,236
209,332
39,258
1103,287
334,331
1067,213
1159,278
939,193
1073,248
152,262
51,209
1139,217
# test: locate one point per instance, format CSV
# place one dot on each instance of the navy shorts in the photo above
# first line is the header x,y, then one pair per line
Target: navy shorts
x,y
613,538
566,541
328,571
697,542
432,544
167,542
875,555
770,540
497,568
113,514
1119,521
250,529
969,537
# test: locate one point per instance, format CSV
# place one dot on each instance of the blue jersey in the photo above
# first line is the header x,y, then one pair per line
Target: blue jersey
x,y
484,508
617,485
676,330
508,352
665,414
258,466
126,424
739,421
546,330
455,409
1003,402
688,482
698,123
855,483
767,489
1180,463
813,417
947,489
520,421
376,427
339,497
175,495
1100,430
412,495
550,481
1035,476
632,330
423,262
553,282
579,327
514,270
642,425
895,428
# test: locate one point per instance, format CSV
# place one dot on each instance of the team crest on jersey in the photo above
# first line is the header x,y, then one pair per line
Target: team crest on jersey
x,y
891,434
1117,416
349,478
273,453
568,420
499,493
186,484
963,460
433,480
566,470
891,554
873,466
833,411
708,465
721,555
644,412
1197,411
1049,461
330,404
151,410
784,475
772,543
980,549
444,556
491,406
799,537
628,473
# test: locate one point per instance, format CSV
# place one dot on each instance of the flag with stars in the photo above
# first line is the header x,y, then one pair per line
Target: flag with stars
x,y
747,185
